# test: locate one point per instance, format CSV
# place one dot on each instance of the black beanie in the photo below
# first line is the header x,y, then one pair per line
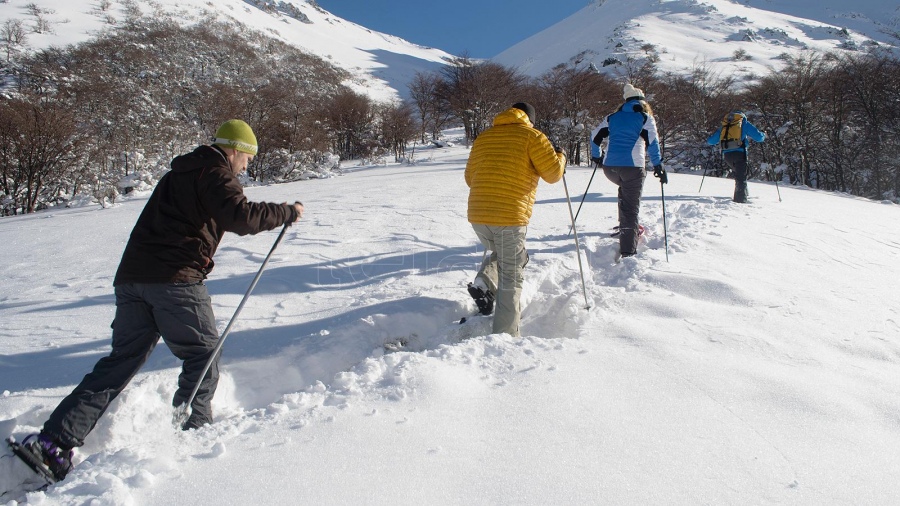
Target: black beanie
x,y
528,108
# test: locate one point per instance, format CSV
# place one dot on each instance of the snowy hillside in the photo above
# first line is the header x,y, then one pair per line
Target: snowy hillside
x,y
758,365
685,33
382,63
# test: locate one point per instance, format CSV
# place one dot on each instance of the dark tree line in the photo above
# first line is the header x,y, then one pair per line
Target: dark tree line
x,y
833,121
109,114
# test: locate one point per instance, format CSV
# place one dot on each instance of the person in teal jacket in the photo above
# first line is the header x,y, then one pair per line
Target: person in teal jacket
x,y
735,154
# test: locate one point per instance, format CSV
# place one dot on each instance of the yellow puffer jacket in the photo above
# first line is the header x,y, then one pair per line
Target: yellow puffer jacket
x,y
503,170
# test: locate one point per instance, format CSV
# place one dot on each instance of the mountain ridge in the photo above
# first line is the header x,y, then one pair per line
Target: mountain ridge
x,y
747,38
381,63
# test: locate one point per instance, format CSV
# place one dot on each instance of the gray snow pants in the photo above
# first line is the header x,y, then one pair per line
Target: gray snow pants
x,y
737,160
504,272
630,181
182,314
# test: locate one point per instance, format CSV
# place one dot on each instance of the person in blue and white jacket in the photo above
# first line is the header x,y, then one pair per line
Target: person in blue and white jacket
x,y
632,136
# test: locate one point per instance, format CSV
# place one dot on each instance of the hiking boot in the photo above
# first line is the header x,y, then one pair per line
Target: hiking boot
x,y
195,421
484,299
56,457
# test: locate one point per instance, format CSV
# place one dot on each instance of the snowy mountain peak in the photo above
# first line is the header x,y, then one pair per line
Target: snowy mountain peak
x,y
744,38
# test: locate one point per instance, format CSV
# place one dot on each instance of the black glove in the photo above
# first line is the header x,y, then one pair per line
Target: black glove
x,y
660,172
598,161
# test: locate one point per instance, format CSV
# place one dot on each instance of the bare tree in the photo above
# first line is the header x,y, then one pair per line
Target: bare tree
x,y
872,79
476,92
13,37
843,149
572,98
687,109
348,118
423,92
790,102
433,113
398,127
41,23
37,145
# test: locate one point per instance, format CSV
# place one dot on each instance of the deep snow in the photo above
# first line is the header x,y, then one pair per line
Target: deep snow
x,y
758,365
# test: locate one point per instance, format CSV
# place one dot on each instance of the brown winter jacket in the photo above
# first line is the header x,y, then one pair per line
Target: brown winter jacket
x,y
504,167
192,207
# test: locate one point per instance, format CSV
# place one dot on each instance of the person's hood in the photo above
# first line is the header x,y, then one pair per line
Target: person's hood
x,y
632,105
512,116
200,158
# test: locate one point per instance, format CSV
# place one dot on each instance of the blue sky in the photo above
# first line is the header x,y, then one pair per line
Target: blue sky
x,y
484,28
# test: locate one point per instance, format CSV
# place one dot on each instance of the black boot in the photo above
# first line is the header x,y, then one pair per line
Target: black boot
x,y
484,299
195,421
56,457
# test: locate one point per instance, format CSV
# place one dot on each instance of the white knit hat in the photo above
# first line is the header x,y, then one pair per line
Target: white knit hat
x,y
632,92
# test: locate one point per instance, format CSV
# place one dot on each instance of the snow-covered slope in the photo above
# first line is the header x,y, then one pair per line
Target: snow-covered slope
x,y
382,64
758,365
685,33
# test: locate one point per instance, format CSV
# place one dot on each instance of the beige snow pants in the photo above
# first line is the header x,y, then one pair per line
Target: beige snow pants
x,y
503,272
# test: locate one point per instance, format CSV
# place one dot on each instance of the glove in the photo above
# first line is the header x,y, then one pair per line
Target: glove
x,y
598,161
660,172
298,208
559,151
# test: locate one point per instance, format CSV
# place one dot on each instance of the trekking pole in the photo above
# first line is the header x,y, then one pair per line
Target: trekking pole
x,y
705,170
775,178
665,230
587,305
182,411
583,197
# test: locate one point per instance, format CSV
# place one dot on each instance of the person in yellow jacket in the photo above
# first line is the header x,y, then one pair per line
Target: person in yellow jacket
x,y
504,167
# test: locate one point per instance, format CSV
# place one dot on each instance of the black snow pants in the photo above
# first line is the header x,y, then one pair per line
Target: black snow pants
x,y
737,160
630,181
182,314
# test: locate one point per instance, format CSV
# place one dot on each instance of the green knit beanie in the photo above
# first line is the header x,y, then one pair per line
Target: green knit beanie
x,y
236,134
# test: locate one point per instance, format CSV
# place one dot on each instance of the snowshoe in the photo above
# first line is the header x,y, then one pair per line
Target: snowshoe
x,y
471,326
43,456
410,342
396,344
616,231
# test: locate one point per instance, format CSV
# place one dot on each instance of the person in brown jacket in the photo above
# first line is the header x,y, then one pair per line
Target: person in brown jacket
x,y
503,170
159,287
